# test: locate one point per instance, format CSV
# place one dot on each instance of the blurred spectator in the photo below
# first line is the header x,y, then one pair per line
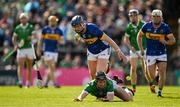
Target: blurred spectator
x,y
66,62
77,61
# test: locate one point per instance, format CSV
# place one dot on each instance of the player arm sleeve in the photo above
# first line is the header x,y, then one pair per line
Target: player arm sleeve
x,y
170,37
110,96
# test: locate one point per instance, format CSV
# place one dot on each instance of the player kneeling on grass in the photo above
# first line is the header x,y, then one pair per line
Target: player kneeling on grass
x,y
105,89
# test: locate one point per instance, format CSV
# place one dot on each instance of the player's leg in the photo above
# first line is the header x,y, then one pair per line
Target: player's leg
x,y
151,65
133,68
92,64
52,69
29,61
123,93
162,65
50,72
29,71
145,70
51,60
20,61
47,62
162,75
152,73
103,60
92,68
102,64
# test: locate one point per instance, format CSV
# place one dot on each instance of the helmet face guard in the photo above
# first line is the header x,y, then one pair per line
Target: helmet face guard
x,y
156,16
133,12
77,20
100,75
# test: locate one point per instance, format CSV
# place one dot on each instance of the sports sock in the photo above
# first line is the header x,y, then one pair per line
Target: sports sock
x,y
134,86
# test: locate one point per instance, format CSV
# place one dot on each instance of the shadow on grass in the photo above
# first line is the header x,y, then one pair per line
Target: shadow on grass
x,y
171,96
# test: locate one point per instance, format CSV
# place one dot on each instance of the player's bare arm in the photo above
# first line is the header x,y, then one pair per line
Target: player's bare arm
x,y
127,42
81,96
169,41
110,96
39,45
116,47
139,41
61,40
79,39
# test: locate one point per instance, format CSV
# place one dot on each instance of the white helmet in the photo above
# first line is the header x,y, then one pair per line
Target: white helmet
x,y
23,15
133,12
157,12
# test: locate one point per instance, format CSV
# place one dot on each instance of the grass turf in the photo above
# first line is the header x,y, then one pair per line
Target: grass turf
x,y
62,97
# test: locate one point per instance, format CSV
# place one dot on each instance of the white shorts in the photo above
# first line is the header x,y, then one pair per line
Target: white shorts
x,y
150,60
114,84
134,54
104,55
23,53
51,56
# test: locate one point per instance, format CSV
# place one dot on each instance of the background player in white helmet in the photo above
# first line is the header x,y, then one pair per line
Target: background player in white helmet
x,y
25,54
158,36
132,30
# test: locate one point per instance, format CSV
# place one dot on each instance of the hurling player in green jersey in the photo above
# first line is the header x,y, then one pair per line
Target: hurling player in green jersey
x,y
130,39
104,89
25,54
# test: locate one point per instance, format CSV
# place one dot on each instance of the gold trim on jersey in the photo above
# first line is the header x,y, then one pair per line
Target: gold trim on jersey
x,y
51,36
90,40
103,36
155,36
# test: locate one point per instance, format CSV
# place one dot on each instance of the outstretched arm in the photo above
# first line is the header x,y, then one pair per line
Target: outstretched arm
x,y
115,46
108,98
81,96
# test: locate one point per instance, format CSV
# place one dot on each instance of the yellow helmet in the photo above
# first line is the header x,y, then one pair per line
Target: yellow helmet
x,y
53,18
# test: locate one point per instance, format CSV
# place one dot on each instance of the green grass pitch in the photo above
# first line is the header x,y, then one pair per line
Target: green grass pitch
x,y
62,97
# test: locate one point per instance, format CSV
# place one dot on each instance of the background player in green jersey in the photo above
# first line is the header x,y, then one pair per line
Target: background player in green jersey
x,y
104,89
130,39
25,54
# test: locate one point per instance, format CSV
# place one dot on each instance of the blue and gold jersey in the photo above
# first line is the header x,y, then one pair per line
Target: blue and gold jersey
x,y
92,38
51,36
153,35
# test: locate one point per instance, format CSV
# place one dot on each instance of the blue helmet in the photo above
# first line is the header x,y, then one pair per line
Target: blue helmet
x,y
100,75
76,20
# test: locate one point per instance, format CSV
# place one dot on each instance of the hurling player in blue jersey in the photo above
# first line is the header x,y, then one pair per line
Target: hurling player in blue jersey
x,y
98,45
51,36
158,36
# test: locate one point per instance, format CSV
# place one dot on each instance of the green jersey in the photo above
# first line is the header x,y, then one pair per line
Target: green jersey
x,y
132,31
24,32
91,88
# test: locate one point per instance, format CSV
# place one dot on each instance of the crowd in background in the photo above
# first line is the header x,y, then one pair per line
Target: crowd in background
x,y
110,15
